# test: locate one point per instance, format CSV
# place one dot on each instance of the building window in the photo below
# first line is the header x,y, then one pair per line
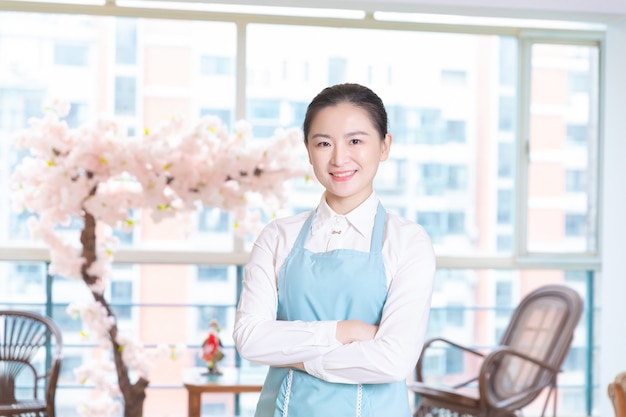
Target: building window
x,y
29,274
506,113
507,60
212,219
457,177
264,115
125,96
208,313
225,115
455,315
337,70
17,106
456,223
122,293
579,82
439,224
71,55
212,273
454,361
125,41
505,160
77,115
433,178
504,243
455,131
575,225
505,206
575,181
391,176
577,134
216,65
453,78
65,321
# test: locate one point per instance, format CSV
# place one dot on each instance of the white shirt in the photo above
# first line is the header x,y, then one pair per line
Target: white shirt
x,y
409,263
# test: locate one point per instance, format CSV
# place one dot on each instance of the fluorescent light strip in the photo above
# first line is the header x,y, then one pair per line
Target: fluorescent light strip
x,y
486,21
244,9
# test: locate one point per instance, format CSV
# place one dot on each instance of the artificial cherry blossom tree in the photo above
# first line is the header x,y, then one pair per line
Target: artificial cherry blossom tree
x,y
98,174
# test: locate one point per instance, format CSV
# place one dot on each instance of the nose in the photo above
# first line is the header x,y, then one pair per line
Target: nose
x,y
340,154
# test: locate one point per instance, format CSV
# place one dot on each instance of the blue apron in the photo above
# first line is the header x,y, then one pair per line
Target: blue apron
x,y
340,284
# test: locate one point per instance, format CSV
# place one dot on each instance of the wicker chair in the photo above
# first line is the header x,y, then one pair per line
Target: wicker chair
x,y
24,337
513,375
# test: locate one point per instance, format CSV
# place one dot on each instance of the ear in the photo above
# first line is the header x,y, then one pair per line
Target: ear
x,y
385,147
306,145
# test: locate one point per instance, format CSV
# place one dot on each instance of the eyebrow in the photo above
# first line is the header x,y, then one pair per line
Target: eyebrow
x,y
347,135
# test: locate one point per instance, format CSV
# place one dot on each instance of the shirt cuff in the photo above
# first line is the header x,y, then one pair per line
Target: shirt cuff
x,y
315,366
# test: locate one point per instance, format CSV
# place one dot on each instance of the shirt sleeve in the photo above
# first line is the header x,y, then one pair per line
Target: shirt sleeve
x,y
394,352
258,335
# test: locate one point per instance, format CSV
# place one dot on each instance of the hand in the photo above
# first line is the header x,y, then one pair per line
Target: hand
x,y
349,331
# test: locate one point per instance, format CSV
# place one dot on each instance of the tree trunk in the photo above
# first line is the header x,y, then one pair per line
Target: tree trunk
x,y
134,394
133,402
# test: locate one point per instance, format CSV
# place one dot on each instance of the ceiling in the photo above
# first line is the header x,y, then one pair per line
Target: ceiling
x,y
600,11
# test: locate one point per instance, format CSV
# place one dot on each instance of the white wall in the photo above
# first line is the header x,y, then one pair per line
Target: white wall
x,y
612,296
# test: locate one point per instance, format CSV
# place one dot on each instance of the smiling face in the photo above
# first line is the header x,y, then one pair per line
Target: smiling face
x,y
345,149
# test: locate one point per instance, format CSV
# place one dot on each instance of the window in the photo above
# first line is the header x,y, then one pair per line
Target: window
x,y
487,197
505,206
456,223
212,273
225,115
18,105
575,180
213,220
504,243
553,217
507,60
575,225
454,361
30,274
125,41
577,134
454,78
216,65
455,131
579,82
506,113
456,315
391,176
122,295
457,177
505,160
125,96
71,55
208,313
337,70
78,115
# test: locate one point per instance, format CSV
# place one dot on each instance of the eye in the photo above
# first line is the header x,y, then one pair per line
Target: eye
x,y
355,141
323,144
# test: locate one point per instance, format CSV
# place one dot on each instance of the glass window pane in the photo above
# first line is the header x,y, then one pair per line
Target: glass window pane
x,y
140,92
474,307
441,124
563,142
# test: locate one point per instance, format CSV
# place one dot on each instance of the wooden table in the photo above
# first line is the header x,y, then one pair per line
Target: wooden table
x,y
233,380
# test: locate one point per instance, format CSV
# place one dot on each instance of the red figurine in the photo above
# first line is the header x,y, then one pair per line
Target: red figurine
x,y
211,348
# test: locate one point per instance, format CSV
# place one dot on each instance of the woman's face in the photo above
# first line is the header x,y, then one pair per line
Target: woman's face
x,y
345,150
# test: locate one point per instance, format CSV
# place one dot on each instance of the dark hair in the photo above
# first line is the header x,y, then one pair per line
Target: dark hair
x,y
354,94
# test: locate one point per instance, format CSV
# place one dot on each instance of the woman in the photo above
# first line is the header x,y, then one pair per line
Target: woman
x,y
336,300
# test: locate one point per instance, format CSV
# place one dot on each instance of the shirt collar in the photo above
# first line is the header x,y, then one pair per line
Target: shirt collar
x,y
361,218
